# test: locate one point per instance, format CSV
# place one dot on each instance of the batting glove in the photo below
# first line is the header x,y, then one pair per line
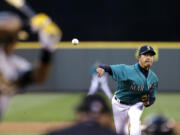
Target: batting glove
x,y
49,33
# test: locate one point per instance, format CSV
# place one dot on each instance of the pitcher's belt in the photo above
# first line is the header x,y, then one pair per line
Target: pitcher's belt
x,y
122,102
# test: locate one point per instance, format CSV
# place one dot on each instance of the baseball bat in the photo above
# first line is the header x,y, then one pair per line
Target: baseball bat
x,y
22,6
36,20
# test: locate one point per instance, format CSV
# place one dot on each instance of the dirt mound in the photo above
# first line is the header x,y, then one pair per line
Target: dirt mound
x,y
42,127
31,127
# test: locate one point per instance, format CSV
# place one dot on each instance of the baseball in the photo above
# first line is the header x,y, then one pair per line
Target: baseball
x,y
75,41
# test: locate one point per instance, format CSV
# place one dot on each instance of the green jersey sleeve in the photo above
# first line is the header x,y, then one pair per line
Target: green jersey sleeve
x,y
119,72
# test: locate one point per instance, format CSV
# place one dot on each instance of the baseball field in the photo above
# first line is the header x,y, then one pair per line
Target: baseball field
x,y
36,113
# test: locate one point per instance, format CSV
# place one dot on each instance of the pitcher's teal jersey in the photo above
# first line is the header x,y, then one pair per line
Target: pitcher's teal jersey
x,y
132,84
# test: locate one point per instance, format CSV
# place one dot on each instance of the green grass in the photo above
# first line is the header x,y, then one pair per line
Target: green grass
x,y
167,104
61,106
43,107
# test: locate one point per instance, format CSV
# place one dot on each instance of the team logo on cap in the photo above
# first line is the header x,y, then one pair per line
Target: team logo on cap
x,y
156,57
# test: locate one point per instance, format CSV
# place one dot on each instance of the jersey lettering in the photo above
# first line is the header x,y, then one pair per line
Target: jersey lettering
x,y
136,87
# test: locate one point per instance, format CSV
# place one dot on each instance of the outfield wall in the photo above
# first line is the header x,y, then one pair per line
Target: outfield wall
x,y
71,70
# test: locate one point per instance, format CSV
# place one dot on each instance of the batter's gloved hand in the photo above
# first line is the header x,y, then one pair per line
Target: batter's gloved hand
x,y
49,36
100,71
49,33
39,21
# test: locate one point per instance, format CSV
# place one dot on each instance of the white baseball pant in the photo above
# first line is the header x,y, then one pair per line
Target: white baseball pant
x,y
127,115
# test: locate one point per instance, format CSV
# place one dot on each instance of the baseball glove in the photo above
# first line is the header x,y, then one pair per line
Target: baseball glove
x,y
145,98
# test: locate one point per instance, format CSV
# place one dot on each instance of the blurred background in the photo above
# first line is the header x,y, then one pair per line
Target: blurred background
x,y
109,31
116,20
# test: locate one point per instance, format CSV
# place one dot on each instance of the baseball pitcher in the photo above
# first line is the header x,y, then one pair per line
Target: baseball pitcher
x,y
137,86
